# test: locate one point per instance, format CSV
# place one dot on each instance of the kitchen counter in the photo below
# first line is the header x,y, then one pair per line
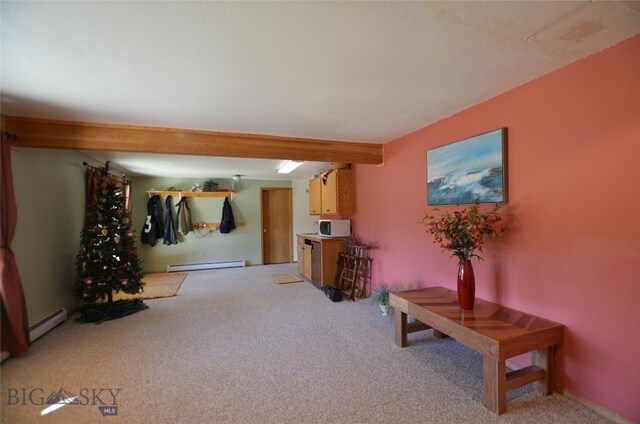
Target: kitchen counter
x,y
318,258
317,237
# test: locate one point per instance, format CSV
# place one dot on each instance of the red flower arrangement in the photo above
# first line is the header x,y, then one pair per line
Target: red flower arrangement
x,y
462,232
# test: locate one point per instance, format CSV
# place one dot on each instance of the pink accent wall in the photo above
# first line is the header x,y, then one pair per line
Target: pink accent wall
x,y
572,254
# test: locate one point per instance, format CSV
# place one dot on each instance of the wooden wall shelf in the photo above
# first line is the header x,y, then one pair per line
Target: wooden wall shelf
x,y
216,225
191,193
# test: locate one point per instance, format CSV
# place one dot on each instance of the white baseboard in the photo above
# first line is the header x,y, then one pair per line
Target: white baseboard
x,y
600,410
209,265
43,326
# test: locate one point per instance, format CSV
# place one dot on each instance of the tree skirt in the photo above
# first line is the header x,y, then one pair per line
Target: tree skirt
x,y
100,312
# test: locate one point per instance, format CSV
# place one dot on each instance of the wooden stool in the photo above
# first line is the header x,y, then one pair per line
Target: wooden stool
x,y
364,270
349,276
365,277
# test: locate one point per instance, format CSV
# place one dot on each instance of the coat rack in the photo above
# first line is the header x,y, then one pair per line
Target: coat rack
x,y
180,194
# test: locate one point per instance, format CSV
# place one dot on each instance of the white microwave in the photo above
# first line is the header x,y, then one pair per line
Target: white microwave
x,y
334,227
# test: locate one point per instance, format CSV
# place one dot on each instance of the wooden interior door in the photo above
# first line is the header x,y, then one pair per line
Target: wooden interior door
x,y
277,225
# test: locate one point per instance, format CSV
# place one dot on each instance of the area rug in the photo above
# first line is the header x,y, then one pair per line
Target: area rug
x,y
156,286
286,278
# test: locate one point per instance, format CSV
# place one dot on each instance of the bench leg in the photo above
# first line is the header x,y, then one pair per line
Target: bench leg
x,y
439,334
401,328
495,382
543,358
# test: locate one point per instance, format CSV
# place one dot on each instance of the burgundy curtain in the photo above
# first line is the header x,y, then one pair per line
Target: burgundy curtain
x,y
91,194
15,324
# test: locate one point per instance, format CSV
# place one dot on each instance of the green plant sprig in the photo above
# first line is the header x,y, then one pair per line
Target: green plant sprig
x,y
462,232
381,295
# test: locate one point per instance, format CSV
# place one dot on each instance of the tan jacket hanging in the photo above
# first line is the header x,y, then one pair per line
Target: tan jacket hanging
x,y
184,216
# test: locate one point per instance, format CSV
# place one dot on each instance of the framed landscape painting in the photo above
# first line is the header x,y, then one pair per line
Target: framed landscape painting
x,y
469,170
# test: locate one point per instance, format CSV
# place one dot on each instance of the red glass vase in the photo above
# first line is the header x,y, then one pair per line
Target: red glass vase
x,y
466,285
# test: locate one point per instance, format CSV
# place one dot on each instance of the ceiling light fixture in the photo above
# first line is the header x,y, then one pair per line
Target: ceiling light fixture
x,y
289,166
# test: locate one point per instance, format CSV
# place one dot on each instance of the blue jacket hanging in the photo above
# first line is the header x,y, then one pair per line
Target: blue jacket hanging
x,y
153,225
227,223
169,229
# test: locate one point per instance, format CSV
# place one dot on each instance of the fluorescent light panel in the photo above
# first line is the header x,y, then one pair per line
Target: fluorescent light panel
x,y
289,166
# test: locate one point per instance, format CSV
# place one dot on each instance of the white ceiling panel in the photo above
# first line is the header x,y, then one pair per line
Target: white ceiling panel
x,y
356,71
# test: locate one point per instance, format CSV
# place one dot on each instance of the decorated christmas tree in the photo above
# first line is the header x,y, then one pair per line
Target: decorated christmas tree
x,y
107,261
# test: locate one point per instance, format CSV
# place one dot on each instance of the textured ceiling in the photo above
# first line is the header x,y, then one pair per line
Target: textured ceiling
x,y
357,71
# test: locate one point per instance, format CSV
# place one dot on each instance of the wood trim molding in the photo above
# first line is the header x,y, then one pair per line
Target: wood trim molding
x,y
53,134
601,410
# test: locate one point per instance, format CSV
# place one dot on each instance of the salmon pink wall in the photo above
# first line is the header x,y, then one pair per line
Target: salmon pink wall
x,y
572,252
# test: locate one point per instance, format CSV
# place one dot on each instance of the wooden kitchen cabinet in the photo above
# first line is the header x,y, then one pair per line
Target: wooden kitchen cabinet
x,y
307,261
300,256
325,262
336,195
329,194
315,196
304,257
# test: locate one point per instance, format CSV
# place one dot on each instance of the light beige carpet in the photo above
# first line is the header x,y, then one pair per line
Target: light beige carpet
x,y
286,278
235,348
155,286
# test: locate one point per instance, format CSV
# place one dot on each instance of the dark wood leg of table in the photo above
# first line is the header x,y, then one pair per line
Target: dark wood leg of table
x,y
438,334
401,328
495,382
543,358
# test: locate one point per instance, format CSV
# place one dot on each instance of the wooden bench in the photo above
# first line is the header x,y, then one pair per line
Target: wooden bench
x,y
495,331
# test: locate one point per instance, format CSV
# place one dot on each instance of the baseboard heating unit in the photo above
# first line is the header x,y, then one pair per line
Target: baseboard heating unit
x,y
208,265
43,326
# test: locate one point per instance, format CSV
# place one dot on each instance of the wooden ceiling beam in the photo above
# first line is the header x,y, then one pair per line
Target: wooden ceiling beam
x,y
53,134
